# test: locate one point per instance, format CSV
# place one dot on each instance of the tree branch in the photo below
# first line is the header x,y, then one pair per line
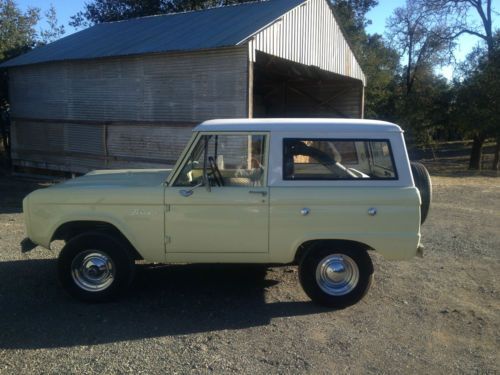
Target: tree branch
x,y
471,32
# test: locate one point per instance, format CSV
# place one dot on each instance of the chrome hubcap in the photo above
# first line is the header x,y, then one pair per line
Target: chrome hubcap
x,y
93,270
337,274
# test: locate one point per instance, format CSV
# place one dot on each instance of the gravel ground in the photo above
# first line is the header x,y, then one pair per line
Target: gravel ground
x,y
440,314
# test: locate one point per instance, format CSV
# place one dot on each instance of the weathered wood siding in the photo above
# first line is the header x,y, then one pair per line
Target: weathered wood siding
x,y
138,111
310,35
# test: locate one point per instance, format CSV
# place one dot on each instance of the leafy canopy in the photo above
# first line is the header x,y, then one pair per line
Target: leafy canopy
x,y
17,29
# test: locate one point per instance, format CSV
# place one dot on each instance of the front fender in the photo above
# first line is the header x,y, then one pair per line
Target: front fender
x,y
137,212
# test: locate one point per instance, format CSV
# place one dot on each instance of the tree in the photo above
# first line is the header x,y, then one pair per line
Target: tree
x,y
17,29
421,36
352,17
459,15
484,11
54,30
99,11
380,64
423,41
379,61
458,12
427,108
477,107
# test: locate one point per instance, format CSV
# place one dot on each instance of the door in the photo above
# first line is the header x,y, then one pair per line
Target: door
x,y
218,202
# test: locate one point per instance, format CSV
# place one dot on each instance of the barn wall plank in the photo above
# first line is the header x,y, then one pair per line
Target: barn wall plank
x,y
173,87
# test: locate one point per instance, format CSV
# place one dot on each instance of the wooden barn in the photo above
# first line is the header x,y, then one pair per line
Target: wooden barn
x,y
127,94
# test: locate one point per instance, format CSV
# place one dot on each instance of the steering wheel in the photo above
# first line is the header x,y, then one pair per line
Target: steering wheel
x,y
216,172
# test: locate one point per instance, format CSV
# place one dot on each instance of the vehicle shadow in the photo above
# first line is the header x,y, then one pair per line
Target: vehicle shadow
x,y
164,301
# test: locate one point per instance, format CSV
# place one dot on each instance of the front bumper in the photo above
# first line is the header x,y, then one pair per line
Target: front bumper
x,y
27,245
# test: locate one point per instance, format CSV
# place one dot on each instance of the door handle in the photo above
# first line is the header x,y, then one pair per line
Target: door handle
x,y
261,192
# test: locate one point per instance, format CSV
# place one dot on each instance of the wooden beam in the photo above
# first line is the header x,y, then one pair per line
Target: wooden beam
x,y
250,93
362,102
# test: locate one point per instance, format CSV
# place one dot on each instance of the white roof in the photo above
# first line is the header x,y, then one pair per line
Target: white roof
x,y
291,125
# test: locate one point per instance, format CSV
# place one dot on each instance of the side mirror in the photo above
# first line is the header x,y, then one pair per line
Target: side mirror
x,y
189,192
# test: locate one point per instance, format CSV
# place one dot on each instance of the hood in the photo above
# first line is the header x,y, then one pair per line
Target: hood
x,y
119,177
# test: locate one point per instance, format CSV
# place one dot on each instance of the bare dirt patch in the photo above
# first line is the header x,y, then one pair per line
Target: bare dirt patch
x,y
439,314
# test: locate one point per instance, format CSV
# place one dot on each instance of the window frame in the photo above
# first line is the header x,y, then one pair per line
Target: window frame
x,y
371,179
198,138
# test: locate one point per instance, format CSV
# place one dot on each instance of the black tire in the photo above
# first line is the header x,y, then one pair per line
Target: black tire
x,y
423,183
308,278
97,246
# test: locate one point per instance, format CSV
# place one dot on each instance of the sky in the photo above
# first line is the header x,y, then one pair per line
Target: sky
x,y
67,8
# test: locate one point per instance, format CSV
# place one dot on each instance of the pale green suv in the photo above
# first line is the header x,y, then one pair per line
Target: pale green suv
x,y
320,193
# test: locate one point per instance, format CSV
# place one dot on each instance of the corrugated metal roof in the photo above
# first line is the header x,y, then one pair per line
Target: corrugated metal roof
x,y
210,28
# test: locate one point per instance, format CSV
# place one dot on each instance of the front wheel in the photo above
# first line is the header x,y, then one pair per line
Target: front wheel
x,y
336,277
95,267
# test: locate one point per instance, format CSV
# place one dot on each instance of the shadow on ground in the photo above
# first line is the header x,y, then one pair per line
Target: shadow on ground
x,y
164,301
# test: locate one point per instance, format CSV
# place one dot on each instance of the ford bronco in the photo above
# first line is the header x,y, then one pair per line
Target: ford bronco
x,y
319,193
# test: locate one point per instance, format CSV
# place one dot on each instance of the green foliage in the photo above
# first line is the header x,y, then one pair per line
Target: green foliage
x,y
380,64
352,17
54,30
477,106
426,109
379,61
17,29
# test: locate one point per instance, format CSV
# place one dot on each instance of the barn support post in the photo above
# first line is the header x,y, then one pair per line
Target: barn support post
x,y
250,90
250,82
362,102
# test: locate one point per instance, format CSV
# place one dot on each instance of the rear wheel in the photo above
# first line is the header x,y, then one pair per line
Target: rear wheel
x,y
95,267
336,277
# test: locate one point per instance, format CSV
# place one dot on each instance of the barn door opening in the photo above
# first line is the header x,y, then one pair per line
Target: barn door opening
x,y
286,89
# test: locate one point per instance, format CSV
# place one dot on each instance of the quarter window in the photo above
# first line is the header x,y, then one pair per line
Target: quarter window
x,y
337,159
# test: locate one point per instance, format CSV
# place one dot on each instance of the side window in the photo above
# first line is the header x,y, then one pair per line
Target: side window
x,y
337,159
231,160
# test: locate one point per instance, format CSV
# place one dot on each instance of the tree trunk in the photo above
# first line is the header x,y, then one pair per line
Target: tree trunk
x,y
496,159
476,152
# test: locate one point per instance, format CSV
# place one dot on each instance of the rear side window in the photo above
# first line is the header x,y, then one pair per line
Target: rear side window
x,y
337,159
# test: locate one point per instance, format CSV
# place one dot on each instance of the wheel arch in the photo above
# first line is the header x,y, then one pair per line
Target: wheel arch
x,y
309,245
70,229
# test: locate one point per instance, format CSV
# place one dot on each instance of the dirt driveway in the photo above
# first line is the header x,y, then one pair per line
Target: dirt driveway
x,y
440,314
